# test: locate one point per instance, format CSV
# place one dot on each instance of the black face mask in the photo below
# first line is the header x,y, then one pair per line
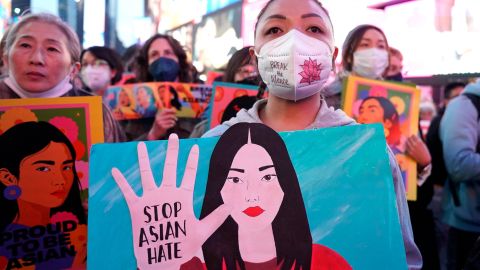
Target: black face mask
x,y
164,69
395,77
250,80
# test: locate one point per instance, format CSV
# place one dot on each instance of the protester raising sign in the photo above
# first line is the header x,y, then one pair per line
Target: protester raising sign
x,y
307,198
396,107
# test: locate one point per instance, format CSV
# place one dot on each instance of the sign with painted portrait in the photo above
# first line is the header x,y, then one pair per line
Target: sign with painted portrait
x,y
44,180
317,199
394,105
228,99
142,100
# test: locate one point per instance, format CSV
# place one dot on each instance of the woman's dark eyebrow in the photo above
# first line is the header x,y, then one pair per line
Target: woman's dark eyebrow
x,y
309,15
276,16
48,162
263,168
67,161
237,170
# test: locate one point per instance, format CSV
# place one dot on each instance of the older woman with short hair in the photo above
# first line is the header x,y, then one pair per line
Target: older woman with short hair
x,y
42,55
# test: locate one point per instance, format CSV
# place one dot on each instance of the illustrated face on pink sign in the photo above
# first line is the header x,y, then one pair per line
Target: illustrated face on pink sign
x,y
252,188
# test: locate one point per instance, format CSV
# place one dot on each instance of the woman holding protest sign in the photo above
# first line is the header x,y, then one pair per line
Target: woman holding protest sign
x,y
161,59
301,33
366,54
40,199
42,55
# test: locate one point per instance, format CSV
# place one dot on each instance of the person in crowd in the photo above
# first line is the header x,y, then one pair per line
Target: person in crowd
x,y
38,185
366,54
240,68
459,134
42,55
394,71
3,68
427,113
284,29
129,60
439,172
101,68
161,59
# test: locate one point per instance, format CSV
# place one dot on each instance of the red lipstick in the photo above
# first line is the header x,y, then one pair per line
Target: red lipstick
x,y
253,211
59,193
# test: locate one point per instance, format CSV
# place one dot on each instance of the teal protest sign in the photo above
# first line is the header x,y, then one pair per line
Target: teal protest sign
x,y
317,198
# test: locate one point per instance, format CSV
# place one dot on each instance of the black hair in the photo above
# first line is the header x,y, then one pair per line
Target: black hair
x,y
238,103
186,69
129,57
293,241
112,58
353,40
26,139
450,87
391,114
239,59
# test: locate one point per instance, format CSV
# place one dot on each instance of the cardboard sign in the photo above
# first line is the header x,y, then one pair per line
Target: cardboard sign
x,y
223,94
44,180
142,100
394,105
322,197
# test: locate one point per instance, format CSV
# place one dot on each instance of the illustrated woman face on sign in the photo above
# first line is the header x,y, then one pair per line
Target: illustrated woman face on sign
x,y
37,172
250,169
381,110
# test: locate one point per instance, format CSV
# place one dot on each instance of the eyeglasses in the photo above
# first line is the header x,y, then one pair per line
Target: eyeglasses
x,y
247,71
96,63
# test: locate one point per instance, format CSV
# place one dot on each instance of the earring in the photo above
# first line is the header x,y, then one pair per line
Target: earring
x,y
12,192
387,132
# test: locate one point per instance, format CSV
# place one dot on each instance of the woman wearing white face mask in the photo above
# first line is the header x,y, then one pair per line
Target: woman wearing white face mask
x,y
364,54
42,56
286,31
101,68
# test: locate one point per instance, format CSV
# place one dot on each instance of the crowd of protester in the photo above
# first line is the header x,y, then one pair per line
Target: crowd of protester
x,y
42,57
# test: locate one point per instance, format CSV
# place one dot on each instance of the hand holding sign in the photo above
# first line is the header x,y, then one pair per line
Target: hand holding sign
x,y
166,232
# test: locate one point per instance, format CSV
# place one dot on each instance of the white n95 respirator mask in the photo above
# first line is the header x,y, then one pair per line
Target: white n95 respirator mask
x,y
294,66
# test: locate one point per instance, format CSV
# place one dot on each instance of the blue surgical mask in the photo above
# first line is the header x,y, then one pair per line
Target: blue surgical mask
x,y
164,69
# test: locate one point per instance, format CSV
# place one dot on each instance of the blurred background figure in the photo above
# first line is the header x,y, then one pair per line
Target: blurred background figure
x,y
427,113
241,68
394,71
364,54
101,68
162,59
3,67
129,60
459,134
439,173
